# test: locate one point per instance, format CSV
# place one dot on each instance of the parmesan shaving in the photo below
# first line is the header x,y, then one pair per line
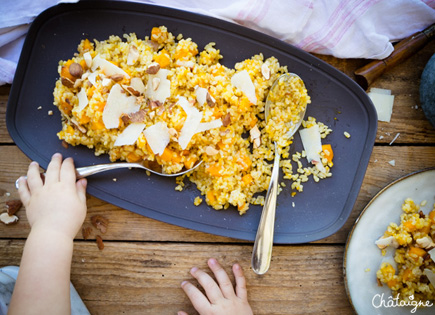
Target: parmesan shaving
x,y
106,82
383,103
242,81
432,254
190,127
201,95
83,100
163,90
133,55
130,134
107,67
193,123
380,91
88,59
184,103
137,84
157,137
430,275
118,103
93,78
209,125
312,143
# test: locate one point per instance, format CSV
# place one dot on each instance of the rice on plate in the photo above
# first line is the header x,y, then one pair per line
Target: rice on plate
x,y
408,268
162,100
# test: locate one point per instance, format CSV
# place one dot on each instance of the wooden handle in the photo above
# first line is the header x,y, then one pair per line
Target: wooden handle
x,y
403,50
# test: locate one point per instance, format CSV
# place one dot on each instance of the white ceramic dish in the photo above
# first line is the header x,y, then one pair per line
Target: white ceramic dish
x,y
362,257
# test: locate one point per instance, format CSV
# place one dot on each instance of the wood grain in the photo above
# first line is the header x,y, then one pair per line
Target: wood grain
x,y
145,278
4,135
404,81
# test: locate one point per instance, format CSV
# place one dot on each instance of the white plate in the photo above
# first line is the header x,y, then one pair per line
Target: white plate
x,y
362,257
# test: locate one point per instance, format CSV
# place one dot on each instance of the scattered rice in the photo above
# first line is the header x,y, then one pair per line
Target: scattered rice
x,y
235,169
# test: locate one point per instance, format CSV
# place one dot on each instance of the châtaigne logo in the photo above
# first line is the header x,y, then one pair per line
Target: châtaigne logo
x,y
379,301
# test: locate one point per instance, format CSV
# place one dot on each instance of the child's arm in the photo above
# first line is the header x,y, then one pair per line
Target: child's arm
x,y
221,298
56,209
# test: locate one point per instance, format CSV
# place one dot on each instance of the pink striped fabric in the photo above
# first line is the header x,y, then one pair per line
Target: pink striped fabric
x,y
430,3
337,25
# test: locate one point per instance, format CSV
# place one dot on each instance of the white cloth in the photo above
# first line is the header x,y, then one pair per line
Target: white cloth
x,y
341,28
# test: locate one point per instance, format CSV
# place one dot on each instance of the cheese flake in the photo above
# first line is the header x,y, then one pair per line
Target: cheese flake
x,y
130,134
157,137
137,84
380,91
118,103
209,125
201,95
242,81
430,275
107,67
83,100
312,142
93,78
88,59
432,254
191,123
190,127
133,55
383,104
163,90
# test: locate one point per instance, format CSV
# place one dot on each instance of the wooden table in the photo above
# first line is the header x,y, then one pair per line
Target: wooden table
x,y
144,261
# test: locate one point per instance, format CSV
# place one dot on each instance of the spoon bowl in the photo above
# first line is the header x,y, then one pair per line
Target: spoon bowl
x,y
262,251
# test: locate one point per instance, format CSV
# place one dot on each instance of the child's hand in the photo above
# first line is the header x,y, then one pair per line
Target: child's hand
x,y
221,298
57,204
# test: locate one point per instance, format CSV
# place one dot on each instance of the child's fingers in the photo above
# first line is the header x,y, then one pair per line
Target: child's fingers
x,y
222,278
241,290
211,289
199,301
182,313
34,180
68,171
52,175
24,191
81,189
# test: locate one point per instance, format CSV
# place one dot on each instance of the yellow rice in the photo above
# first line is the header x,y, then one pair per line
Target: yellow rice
x,y
413,240
233,172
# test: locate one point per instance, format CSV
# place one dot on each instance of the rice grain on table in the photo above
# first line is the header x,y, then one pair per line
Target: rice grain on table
x,y
235,169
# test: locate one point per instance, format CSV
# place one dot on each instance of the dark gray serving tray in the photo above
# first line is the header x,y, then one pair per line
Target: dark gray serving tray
x,y
337,101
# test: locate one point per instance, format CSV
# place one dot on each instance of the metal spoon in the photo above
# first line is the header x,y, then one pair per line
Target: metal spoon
x,y
262,251
153,167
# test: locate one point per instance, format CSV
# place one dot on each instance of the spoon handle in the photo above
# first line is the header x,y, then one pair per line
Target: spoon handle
x,y
94,169
262,252
82,172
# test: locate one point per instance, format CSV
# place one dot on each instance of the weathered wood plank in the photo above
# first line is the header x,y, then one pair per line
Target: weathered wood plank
x,y
125,225
404,81
5,89
145,277
4,135
380,173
